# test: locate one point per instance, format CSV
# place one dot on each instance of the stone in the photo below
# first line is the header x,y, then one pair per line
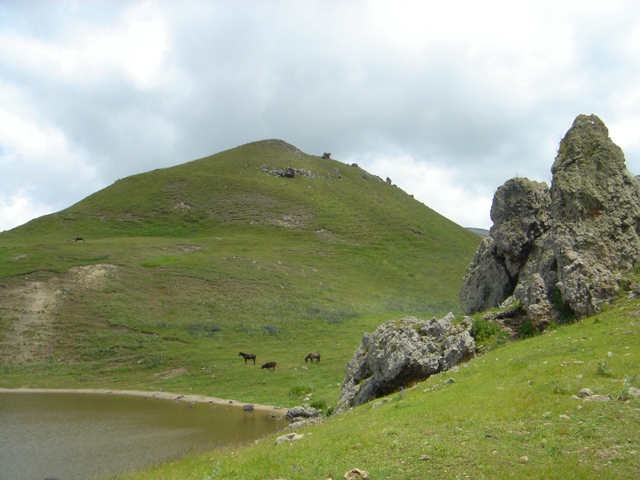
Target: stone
x,y
585,392
401,353
561,251
597,398
356,473
301,411
300,422
289,437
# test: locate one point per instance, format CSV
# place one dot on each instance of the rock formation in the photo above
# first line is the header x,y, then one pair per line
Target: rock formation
x,y
563,249
402,352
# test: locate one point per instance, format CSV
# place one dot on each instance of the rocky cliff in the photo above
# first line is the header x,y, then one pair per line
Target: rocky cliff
x,y
566,248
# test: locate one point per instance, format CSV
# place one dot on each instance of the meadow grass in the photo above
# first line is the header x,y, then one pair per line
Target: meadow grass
x,y
215,257
510,413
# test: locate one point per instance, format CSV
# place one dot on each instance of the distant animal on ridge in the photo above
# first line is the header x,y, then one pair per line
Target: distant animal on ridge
x,y
270,366
311,356
248,356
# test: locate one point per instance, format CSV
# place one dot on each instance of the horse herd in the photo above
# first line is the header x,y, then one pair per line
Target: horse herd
x,y
272,365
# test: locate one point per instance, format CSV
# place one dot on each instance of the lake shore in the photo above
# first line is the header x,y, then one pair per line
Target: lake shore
x,y
190,398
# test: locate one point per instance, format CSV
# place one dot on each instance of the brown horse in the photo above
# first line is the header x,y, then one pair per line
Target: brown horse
x,y
311,356
248,356
270,366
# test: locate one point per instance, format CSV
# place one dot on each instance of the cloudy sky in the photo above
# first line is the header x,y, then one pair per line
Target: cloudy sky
x,y
448,99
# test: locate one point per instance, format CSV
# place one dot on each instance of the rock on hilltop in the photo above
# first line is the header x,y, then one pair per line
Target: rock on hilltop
x,y
566,247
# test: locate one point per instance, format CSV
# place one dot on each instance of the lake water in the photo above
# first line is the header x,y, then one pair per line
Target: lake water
x,y
76,436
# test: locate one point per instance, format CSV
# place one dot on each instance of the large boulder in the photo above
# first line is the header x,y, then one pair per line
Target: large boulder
x,y
565,248
402,352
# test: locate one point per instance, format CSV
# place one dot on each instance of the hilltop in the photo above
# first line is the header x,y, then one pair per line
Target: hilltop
x,y
159,280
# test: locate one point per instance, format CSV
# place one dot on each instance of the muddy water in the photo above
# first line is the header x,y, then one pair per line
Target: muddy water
x,y
76,436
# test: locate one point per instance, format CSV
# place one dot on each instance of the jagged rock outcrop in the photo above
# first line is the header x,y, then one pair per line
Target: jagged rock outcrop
x,y
520,215
402,352
563,248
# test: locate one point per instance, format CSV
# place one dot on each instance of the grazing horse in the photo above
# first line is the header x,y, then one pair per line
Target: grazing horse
x,y
270,366
248,356
311,356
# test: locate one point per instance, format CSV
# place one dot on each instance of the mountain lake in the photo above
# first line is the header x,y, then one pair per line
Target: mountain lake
x,y
75,436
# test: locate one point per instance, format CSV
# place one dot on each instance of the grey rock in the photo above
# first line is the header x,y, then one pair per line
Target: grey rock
x,y
300,411
304,422
597,398
356,473
567,247
289,437
401,353
585,392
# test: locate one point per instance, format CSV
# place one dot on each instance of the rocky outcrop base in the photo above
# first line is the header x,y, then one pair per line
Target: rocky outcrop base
x,y
401,353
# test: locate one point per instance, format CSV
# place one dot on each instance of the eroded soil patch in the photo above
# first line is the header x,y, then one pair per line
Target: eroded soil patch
x,y
30,307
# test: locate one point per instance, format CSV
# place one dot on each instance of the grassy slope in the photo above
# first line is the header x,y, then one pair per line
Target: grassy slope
x,y
510,413
361,252
215,257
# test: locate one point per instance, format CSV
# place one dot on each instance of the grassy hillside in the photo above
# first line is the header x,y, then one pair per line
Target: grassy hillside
x,y
181,268
510,413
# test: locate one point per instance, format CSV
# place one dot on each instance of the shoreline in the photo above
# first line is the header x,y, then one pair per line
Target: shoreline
x,y
162,395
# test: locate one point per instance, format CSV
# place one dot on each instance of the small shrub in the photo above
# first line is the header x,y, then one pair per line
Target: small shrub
x,y
484,329
560,390
526,329
299,391
270,329
628,383
154,362
200,330
319,404
603,369
501,339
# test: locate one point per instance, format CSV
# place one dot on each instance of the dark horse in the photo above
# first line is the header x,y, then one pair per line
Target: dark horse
x,y
311,356
270,366
248,356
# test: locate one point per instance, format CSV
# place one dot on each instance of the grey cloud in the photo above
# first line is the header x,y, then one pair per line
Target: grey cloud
x,y
317,75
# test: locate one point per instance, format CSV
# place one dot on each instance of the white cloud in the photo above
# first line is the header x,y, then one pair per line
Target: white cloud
x,y
134,48
441,189
19,208
449,99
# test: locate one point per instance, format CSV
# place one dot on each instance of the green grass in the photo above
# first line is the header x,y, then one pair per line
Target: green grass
x,y
510,413
215,257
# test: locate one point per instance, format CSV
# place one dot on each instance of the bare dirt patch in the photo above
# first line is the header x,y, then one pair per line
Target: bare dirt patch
x,y
29,309
171,373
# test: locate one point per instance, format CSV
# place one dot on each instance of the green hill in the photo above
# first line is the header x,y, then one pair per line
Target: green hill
x,y
181,268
